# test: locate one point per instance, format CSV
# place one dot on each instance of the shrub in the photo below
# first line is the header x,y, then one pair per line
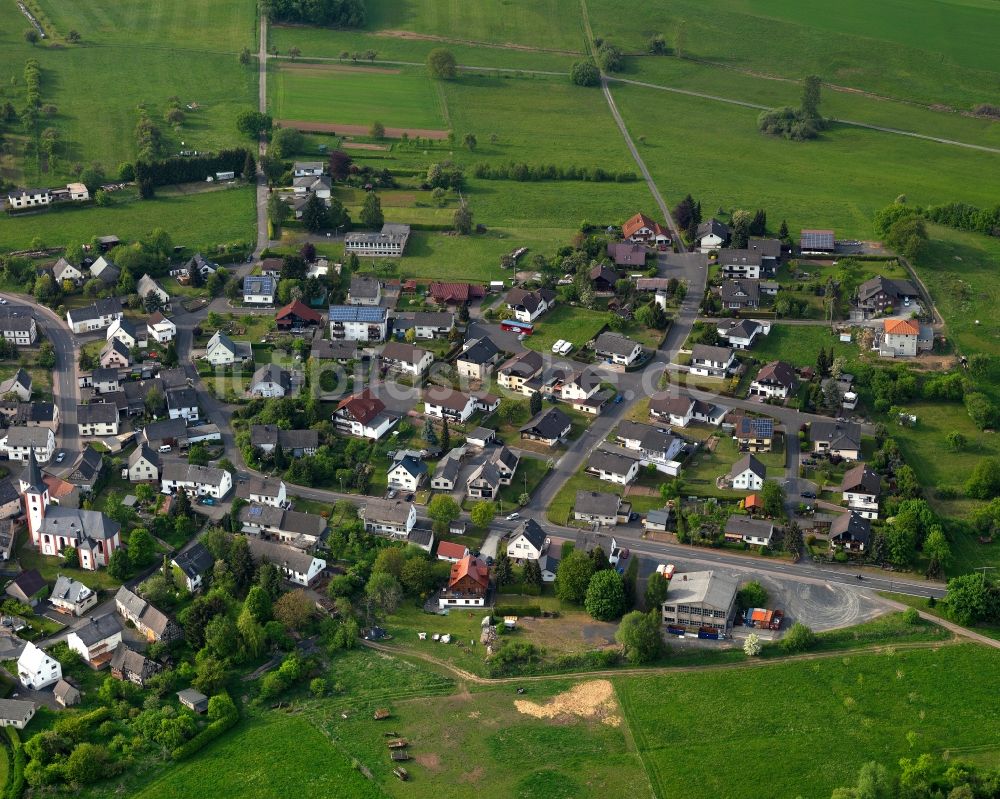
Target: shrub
x,y
212,731
799,638
911,616
585,73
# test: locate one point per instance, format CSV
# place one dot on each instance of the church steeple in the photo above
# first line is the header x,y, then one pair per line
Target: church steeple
x,y
31,476
36,496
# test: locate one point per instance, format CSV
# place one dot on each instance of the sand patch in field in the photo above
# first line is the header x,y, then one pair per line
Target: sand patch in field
x,y
594,699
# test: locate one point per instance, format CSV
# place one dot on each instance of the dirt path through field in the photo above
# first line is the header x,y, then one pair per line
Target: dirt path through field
x,y
301,66
360,130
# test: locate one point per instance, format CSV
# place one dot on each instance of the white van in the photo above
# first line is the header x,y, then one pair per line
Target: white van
x,y
165,448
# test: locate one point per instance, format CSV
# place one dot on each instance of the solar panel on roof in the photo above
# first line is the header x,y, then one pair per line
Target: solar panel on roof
x,y
256,510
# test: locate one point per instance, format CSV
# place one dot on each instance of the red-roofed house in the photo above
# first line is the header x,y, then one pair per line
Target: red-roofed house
x,y
298,314
899,338
468,584
364,415
450,552
640,228
456,293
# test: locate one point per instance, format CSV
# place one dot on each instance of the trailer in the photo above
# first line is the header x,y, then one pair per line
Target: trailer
x,y
399,755
673,629
666,570
710,633
402,773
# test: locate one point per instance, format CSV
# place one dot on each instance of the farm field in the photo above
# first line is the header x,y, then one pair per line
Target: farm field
x,y
837,181
943,54
870,704
194,220
356,95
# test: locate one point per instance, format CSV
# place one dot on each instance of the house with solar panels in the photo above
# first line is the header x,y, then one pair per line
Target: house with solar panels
x,y
816,241
259,290
358,322
754,433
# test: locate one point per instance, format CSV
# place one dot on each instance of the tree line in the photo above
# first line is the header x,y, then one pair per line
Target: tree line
x,y
334,13
539,172
163,172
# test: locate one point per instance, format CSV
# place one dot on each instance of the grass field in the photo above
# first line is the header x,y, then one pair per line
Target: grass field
x,y
356,95
867,704
570,324
194,220
942,54
799,344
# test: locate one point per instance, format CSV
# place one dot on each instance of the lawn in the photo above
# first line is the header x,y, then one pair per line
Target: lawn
x,y
700,471
356,95
942,54
799,344
938,611
265,757
836,181
577,325
196,221
530,472
561,507
50,568
876,707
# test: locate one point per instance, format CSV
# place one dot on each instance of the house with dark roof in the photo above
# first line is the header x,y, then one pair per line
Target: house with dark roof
x,y
407,473
597,507
295,443
748,474
514,373
18,386
132,666
627,254
115,355
477,359
851,532
441,402
143,465
223,351
528,541
743,529
740,335
259,290
296,565
613,465
96,640
447,470
364,415
263,490
340,350
407,359
294,528
194,562
744,263
494,471
881,294
364,290
527,306
712,361
150,622
861,488
358,322
390,517
204,481
836,438
774,380
654,445
711,235
71,596
270,380
425,324
816,241
27,588
617,349
602,278
297,315
753,433
66,694
740,293
550,427
94,317
681,411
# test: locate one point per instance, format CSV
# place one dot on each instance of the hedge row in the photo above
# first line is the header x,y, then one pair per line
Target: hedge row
x,y
194,169
517,610
539,172
15,779
207,735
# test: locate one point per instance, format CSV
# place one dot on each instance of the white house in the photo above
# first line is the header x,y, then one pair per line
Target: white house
x,y
160,329
259,290
19,441
147,285
194,563
389,242
182,403
16,713
775,379
71,596
18,325
748,474
756,532
653,445
143,465
740,335
613,466
223,351
861,488
579,386
125,332
358,322
527,306
29,198
19,386
528,542
303,169
201,480
447,403
477,359
406,358
711,235
64,270
94,317
364,415
364,290
320,185
391,517
97,640
97,419
36,670
711,361
407,473
270,380
617,349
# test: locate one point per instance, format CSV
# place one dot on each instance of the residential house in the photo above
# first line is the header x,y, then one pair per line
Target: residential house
x,y
700,599
259,290
63,270
94,317
263,491
681,411
160,329
748,474
746,263
641,229
365,290
18,442
358,322
302,169
528,541
836,438
820,242
98,419
298,316
16,713
452,553
87,468
320,185
602,278
898,340
182,403
712,361
550,427
711,235
738,294
627,254
204,481
364,415
28,587
654,445
774,380
548,564
425,324
223,351
17,324
270,380
468,584
613,466
197,263
115,355
104,381
850,531
295,443
38,414
456,293
446,472
495,472
143,465
406,359
390,517
514,373
18,386
477,359
407,473
486,402
740,335
755,532
754,433
656,521
150,622
340,350
96,640
28,198
131,666
446,403
36,669
880,295
10,500
390,242
105,271
617,349
527,306
294,528
127,332
194,562
66,695
193,700
597,507
146,286
861,488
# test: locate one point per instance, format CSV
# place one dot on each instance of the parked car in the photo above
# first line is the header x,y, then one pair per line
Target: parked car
x,y
619,399
60,457
808,495
206,501
513,517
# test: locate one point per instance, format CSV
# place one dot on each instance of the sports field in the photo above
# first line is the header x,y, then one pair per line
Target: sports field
x,y
356,95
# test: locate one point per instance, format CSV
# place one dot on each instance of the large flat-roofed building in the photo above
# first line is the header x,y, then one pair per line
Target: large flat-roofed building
x,y
700,599
391,241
